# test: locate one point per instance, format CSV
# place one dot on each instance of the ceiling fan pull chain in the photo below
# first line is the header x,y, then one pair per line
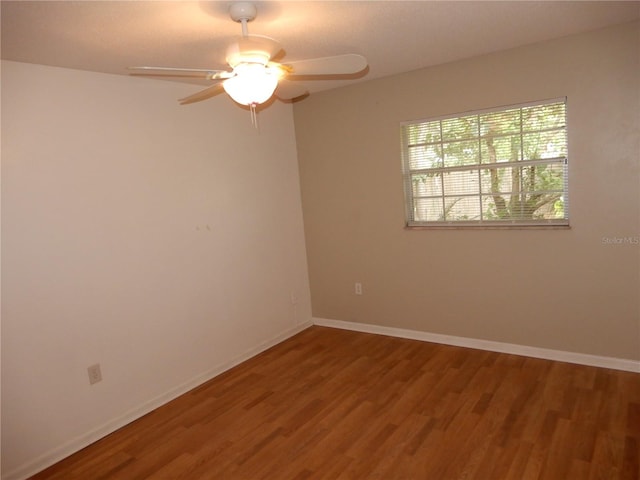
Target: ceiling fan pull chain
x,y
254,115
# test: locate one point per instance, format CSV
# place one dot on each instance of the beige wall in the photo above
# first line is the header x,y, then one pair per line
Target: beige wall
x,y
162,241
557,289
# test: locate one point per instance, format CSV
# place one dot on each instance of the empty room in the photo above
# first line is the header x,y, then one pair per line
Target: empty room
x,y
320,240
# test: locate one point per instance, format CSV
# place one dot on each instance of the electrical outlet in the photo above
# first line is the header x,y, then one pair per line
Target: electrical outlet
x,y
95,375
358,288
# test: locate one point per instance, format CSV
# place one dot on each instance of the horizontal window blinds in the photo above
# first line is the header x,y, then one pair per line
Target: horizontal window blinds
x,y
503,166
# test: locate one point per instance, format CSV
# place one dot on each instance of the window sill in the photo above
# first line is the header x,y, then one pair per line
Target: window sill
x,y
487,227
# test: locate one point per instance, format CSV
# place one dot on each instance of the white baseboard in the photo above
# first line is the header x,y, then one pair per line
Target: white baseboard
x,y
80,442
524,350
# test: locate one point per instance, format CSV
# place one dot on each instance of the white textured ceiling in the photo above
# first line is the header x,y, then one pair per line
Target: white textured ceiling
x,y
395,36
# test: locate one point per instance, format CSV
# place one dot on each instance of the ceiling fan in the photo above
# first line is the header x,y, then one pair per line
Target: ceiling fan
x,y
254,76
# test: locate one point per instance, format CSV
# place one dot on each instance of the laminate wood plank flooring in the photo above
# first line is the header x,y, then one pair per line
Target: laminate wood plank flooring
x,y
335,404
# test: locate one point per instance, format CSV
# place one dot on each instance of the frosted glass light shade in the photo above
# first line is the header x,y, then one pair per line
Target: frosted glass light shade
x,y
253,84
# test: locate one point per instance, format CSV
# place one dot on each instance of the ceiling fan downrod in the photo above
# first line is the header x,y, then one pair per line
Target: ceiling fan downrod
x,y
243,13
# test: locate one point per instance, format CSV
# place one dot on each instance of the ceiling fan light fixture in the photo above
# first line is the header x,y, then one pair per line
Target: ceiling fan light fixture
x,y
252,84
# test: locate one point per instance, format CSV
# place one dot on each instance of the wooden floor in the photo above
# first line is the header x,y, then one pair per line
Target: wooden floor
x,y
333,404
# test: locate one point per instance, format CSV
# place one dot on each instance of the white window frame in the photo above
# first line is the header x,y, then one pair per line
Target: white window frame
x,y
410,174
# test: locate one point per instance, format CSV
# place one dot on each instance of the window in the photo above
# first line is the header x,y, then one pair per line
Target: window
x,y
502,167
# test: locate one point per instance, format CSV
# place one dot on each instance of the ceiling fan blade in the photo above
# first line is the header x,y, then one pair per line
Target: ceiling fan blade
x,y
288,90
346,64
203,94
181,72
